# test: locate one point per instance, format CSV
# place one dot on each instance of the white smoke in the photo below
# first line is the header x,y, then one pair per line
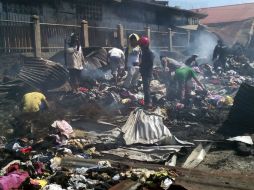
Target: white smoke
x,y
203,44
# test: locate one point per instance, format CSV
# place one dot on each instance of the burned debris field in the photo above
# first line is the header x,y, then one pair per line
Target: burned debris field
x,y
93,97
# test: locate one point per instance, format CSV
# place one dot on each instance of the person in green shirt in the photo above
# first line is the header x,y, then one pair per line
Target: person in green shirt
x,y
183,78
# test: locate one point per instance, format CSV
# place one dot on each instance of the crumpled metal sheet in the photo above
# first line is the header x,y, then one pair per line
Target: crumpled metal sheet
x,y
144,127
43,74
197,156
97,58
143,153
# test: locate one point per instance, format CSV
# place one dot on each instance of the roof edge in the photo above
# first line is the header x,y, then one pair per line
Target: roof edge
x,y
221,6
199,15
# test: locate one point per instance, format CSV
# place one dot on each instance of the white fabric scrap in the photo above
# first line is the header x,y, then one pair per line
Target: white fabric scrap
x,y
63,127
244,139
53,187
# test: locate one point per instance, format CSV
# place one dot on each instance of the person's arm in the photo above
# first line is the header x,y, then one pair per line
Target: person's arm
x,y
123,58
82,56
199,83
22,104
151,59
126,57
65,52
46,103
215,53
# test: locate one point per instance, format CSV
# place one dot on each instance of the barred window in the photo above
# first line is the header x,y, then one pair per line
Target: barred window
x,y
90,10
21,9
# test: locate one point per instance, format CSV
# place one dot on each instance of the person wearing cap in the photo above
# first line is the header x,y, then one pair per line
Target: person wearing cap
x,y
183,77
146,68
192,61
132,61
116,59
74,61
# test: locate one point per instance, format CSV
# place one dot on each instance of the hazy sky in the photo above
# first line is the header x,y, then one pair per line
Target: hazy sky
x,y
192,4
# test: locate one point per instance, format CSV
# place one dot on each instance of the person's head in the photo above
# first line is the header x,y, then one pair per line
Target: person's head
x,y
133,38
163,60
194,56
161,57
74,40
144,42
219,42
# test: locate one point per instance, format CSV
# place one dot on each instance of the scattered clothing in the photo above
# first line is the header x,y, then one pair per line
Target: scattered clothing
x,y
13,180
63,128
53,187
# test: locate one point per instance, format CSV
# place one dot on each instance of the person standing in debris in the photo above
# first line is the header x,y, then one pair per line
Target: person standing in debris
x,y
34,102
192,61
219,55
132,61
116,59
183,77
146,68
75,61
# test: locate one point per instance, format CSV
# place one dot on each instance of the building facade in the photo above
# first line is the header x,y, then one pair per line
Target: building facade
x,y
130,13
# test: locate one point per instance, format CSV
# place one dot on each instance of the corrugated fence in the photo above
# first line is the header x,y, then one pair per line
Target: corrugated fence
x,y
18,37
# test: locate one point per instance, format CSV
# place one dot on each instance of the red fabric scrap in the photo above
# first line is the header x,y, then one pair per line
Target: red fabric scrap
x,y
82,89
141,102
39,166
26,150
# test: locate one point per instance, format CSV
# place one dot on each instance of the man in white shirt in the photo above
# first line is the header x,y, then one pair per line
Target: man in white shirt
x,y
116,59
75,61
132,61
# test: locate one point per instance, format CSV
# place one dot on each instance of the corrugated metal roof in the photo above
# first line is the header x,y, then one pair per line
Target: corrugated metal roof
x,y
230,13
189,27
234,32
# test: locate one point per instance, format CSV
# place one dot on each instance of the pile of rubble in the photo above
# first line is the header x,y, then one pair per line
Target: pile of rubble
x,y
74,146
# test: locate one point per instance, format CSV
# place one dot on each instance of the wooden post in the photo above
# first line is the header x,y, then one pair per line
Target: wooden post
x,y
120,35
148,33
170,45
84,34
36,36
189,37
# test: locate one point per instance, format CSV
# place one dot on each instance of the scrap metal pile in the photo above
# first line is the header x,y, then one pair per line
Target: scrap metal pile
x,y
36,73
